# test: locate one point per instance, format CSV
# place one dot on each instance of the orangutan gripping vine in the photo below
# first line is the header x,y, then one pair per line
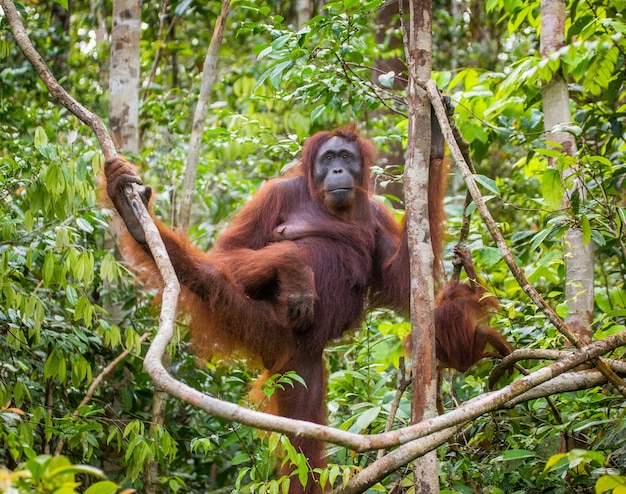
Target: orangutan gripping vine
x,y
297,266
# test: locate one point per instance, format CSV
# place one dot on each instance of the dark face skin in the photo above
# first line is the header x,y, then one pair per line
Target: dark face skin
x,y
337,172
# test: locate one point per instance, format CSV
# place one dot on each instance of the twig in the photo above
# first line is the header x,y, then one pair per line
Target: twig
x,y
448,425
403,383
465,226
84,115
209,74
533,294
94,385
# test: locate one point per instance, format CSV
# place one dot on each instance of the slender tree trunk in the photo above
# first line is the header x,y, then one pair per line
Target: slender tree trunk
x,y
124,76
195,141
304,11
418,45
124,128
579,255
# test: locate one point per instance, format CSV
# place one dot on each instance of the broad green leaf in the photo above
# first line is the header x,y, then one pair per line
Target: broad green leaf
x,y
489,256
239,459
366,418
610,483
387,80
55,180
102,487
488,183
552,189
84,225
71,294
562,310
317,112
276,74
556,461
41,139
55,365
280,42
517,454
551,153
48,268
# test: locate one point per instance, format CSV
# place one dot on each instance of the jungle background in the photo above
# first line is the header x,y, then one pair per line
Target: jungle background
x,y
69,305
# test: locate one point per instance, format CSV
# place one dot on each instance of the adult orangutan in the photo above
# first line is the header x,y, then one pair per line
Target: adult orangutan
x,y
295,267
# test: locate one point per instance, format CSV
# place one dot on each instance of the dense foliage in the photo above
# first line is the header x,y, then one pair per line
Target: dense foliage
x,y
68,306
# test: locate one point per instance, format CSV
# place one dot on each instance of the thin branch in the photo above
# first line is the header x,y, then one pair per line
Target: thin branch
x,y
403,383
468,411
449,423
38,63
378,470
161,39
94,385
519,275
512,360
209,74
465,226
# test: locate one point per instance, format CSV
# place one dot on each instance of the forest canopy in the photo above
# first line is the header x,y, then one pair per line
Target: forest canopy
x,y
542,116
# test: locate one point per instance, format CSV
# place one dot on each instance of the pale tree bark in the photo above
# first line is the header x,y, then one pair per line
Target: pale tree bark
x,y
124,127
124,75
418,48
304,11
209,74
579,255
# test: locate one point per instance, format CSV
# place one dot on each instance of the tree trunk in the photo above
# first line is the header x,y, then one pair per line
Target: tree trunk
x,y
304,11
578,255
124,76
209,74
418,45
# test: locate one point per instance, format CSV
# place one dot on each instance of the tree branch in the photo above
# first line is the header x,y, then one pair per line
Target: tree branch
x,y
38,63
94,385
416,439
209,73
533,294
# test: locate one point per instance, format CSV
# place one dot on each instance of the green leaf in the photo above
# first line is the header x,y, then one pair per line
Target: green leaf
x,y
488,183
303,470
551,153
55,180
74,469
562,310
41,139
539,238
277,72
48,268
71,295
489,256
108,268
552,189
586,228
317,112
387,80
102,487
555,461
517,454
55,365
610,483
280,41
239,459
84,225
366,418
